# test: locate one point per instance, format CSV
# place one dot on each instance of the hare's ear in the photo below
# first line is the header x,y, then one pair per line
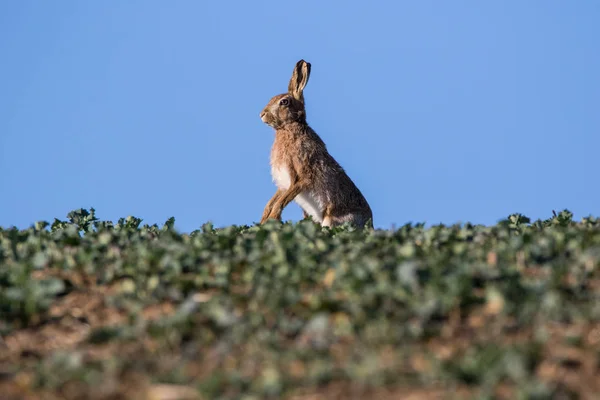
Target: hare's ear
x,y
299,79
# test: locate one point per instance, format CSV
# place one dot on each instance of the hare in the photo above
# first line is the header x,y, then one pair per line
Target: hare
x,y
302,168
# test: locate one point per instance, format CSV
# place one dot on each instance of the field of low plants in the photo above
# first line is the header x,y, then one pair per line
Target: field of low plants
x,y
93,309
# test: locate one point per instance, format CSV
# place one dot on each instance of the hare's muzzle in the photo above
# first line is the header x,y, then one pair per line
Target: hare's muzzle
x,y
263,116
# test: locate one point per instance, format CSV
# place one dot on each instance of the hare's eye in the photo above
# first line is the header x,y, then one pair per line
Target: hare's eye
x,y
284,102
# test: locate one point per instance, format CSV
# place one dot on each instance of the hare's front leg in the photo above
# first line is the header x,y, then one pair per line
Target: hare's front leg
x,y
286,198
269,206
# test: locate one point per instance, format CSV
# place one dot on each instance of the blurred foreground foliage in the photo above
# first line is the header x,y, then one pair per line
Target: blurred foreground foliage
x,y
95,309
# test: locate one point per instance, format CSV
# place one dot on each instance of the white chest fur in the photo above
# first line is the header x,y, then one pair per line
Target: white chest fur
x,y
281,177
308,200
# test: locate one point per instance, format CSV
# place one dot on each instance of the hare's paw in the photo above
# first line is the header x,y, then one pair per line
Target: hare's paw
x,y
275,214
266,213
270,213
265,220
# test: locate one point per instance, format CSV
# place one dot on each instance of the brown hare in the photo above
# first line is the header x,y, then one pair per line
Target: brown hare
x,y
303,169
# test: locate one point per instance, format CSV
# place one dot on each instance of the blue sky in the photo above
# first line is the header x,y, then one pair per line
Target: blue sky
x,y
439,111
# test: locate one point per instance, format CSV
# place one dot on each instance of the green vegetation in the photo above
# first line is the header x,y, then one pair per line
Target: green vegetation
x,y
96,310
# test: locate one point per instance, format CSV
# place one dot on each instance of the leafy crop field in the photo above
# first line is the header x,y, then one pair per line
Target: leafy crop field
x,y
92,309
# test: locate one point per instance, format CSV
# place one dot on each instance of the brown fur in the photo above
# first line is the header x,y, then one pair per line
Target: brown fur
x,y
313,173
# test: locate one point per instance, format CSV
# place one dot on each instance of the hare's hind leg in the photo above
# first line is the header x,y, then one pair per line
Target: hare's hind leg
x,y
356,219
359,220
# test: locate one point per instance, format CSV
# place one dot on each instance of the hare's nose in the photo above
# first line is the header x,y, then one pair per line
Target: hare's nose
x,y
262,114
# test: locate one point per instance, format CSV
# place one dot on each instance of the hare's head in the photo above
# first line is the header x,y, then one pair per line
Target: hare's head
x,y
288,107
